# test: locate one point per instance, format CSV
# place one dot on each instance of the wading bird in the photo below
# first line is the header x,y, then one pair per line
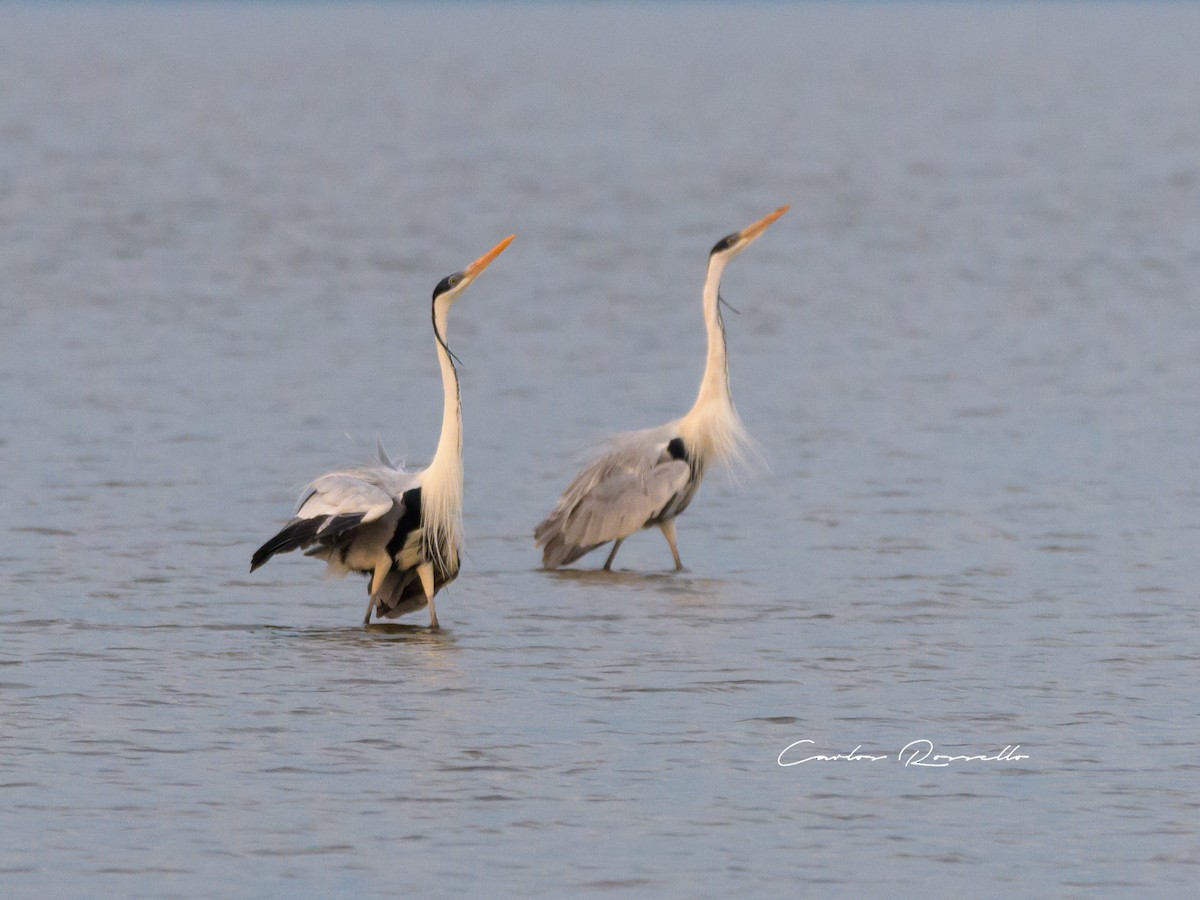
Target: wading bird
x,y
646,478
401,528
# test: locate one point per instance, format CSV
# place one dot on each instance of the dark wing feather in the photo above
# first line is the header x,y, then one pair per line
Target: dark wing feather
x,y
336,504
300,534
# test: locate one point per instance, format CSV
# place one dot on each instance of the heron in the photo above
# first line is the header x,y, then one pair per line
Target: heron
x,y
402,528
646,478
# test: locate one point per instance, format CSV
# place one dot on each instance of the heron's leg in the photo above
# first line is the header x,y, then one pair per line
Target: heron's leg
x,y
668,530
425,571
612,554
381,569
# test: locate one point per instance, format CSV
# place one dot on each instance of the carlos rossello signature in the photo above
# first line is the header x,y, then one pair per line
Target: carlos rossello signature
x,y
914,753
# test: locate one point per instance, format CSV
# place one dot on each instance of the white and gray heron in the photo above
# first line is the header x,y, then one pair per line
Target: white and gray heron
x,y
401,528
647,478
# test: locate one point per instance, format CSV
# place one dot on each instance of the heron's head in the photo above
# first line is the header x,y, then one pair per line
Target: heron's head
x,y
450,287
731,245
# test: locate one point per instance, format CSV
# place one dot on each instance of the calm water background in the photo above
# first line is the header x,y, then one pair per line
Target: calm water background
x,y
970,354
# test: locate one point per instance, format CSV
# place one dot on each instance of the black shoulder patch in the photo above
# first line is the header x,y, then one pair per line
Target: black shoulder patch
x,y
410,520
676,449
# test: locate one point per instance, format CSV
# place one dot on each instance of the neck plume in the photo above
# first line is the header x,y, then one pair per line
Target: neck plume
x,y
712,430
442,486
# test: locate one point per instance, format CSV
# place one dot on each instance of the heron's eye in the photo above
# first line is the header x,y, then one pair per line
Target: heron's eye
x,y
455,279
445,285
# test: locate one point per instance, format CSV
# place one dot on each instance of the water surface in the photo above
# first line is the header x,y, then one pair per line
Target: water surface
x,y
969,353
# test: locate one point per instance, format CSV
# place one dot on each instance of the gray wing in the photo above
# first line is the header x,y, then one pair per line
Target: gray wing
x,y
614,496
345,493
335,506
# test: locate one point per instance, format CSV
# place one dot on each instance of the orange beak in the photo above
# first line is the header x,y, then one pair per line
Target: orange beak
x,y
750,232
484,261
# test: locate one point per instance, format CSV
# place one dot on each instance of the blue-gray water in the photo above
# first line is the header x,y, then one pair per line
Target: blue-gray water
x,y
969,353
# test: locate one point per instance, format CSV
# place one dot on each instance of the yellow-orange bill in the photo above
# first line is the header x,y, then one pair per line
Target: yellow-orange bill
x,y
482,263
752,231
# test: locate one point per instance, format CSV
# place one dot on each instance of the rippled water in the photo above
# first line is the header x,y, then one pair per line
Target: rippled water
x,y
969,352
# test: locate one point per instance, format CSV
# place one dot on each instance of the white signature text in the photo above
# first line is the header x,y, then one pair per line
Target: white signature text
x,y
915,753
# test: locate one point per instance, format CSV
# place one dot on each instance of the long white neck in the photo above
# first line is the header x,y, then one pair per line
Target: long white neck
x,y
442,484
711,429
